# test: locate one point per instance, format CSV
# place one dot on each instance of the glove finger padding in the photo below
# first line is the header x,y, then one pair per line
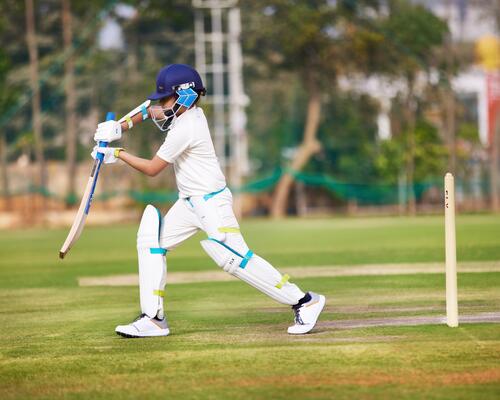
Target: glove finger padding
x,y
109,156
108,131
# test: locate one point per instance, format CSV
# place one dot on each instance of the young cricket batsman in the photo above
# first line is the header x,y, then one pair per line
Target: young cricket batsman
x,y
205,203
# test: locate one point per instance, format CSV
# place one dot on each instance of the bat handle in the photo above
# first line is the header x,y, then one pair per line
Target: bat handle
x,y
109,116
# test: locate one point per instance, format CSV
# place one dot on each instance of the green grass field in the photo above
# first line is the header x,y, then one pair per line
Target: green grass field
x,y
228,341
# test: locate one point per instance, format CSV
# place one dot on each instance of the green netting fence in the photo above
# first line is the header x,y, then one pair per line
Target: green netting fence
x,y
361,193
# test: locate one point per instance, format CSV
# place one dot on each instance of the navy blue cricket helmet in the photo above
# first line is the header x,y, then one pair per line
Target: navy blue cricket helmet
x,y
172,76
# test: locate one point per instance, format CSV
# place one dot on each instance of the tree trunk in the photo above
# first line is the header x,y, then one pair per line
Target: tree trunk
x,y
69,89
309,146
410,163
447,100
35,89
4,172
446,94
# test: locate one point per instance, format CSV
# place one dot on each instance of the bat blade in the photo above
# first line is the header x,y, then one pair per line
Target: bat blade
x,y
83,210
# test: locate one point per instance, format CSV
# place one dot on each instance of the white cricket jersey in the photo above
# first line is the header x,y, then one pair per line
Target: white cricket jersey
x,y
189,147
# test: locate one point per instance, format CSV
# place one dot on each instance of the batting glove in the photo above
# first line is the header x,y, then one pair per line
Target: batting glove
x,y
108,131
110,153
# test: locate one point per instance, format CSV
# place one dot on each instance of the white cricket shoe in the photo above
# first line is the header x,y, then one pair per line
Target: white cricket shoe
x,y
307,313
144,326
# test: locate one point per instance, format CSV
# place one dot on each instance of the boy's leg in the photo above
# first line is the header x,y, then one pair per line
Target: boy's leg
x,y
154,238
228,249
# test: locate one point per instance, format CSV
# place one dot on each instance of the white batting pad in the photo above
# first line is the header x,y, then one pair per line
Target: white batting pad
x,y
152,264
253,270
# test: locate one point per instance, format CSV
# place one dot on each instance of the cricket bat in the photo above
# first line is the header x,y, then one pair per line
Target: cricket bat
x,y
83,210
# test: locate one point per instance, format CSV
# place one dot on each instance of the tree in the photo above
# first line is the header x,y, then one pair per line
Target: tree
x,y
310,39
35,90
411,33
4,95
69,90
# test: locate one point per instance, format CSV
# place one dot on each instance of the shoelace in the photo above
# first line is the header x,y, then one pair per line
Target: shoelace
x,y
298,319
140,317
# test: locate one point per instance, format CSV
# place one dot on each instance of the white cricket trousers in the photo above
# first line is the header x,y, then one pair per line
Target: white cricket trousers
x,y
212,213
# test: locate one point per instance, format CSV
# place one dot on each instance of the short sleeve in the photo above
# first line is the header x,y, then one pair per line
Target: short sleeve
x,y
176,142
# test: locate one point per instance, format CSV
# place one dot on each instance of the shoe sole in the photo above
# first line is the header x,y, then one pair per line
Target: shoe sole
x,y
138,336
322,300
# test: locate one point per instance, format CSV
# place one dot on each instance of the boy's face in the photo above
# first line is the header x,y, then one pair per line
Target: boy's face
x,y
163,113
158,110
167,102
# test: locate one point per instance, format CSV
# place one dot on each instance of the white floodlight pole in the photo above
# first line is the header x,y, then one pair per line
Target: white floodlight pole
x,y
218,84
200,44
237,103
214,73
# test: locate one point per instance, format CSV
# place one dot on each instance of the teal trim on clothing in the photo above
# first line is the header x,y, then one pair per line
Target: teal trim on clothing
x,y
158,250
226,246
245,258
210,195
144,112
159,224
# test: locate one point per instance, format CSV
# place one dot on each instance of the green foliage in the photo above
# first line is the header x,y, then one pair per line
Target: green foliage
x,y
390,160
430,152
468,132
313,38
430,155
348,133
411,33
275,120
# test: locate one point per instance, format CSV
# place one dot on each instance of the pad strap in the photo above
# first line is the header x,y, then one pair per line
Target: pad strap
x,y
160,293
228,229
144,112
284,280
129,121
245,258
158,250
116,153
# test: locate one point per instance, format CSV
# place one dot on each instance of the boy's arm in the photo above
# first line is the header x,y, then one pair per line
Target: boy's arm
x,y
110,131
149,167
136,119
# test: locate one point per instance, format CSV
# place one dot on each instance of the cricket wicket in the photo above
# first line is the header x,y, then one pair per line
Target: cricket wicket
x,y
451,251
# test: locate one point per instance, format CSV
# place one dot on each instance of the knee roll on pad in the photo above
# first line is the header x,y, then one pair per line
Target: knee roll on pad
x,y
253,270
152,264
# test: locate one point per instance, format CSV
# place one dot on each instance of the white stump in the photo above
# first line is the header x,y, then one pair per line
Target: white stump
x,y
451,252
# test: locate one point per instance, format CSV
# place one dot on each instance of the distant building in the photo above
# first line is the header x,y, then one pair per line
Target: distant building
x,y
468,22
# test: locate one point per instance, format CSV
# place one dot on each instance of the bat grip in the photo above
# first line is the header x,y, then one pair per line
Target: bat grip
x,y
109,116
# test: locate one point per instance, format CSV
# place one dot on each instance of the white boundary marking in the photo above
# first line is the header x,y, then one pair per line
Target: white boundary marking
x,y
300,272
